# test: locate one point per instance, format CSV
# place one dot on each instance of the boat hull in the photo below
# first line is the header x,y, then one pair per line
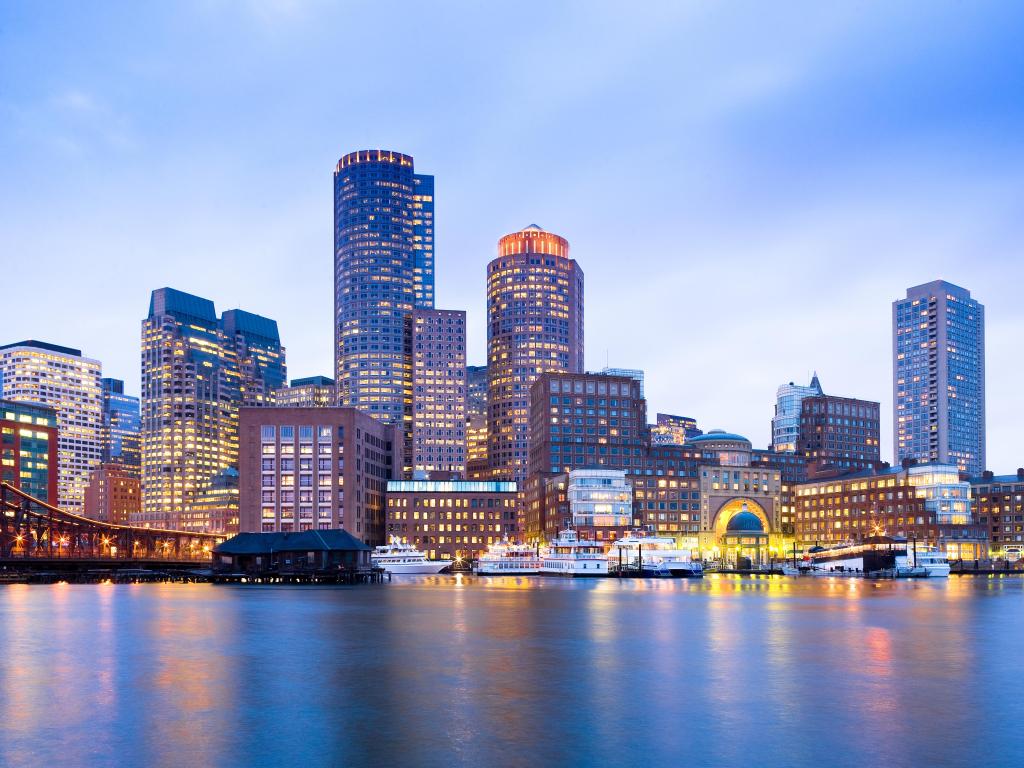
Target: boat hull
x,y
432,566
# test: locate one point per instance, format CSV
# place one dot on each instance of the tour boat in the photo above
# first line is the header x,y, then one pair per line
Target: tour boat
x,y
659,556
505,557
568,555
933,561
397,557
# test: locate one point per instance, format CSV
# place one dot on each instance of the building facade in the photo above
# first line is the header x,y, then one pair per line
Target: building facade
x,y
62,379
314,469
938,334
842,433
114,493
456,519
192,388
998,502
670,429
439,391
310,392
121,425
535,325
28,448
786,422
381,206
926,503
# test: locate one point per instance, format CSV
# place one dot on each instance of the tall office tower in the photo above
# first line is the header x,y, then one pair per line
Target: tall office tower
x,y
786,422
938,340
192,387
260,355
535,325
60,378
376,283
310,392
476,391
439,391
121,423
423,240
476,420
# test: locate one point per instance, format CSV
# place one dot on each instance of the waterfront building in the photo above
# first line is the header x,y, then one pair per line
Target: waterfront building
x,y
786,422
535,325
121,425
192,387
215,508
259,356
600,503
310,392
376,282
586,419
840,433
114,493
28,448
926,503
998,502
322,550
315,469
60,378
451,519
938,334
670,429
439,391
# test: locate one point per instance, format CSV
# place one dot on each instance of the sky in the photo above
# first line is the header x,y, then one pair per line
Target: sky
x,y
746,185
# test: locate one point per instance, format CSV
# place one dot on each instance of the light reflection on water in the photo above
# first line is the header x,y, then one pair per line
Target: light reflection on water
x,y
466,670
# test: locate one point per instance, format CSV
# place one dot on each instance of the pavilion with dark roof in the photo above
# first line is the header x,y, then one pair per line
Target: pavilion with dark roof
x,y
304,551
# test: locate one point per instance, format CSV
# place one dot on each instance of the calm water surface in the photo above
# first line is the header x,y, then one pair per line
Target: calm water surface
x,y
519,672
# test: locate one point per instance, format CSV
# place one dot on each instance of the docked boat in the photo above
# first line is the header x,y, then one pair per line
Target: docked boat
x,y
933,561
657,556
568,555
397,557
505,557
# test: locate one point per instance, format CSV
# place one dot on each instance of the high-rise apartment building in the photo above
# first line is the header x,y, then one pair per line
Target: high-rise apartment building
x,y
383,215
841,433
938,335
786,422
310,392
535,325
439,391
62,379
192,388
28,448
121,424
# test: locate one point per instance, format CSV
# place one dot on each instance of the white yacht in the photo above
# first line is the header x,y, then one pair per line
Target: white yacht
x,y
568,555
659,556
505,557
933,561
397,557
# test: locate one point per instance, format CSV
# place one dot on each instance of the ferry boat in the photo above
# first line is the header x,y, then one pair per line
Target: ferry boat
x,y
568,555
397,557
658,555
933,561
505,557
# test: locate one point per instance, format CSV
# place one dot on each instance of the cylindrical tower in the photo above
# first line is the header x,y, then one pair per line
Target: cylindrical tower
x,y
534,325
374,284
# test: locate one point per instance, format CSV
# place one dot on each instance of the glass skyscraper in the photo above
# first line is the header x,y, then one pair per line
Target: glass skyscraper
x,y
786,422
938,334
383,268
121,421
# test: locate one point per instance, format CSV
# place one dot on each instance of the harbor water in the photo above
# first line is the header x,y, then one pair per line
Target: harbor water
x,y
504,671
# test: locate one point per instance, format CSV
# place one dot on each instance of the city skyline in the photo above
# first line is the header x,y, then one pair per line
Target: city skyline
x,y
887,210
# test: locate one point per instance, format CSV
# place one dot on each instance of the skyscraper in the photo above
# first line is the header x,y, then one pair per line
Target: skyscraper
x,y
62,379
535,325
192,387
309,392
938,335
383,267
786,422
121,423
439,391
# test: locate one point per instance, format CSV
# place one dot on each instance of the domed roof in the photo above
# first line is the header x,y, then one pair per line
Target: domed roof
x,y
743,522
716,435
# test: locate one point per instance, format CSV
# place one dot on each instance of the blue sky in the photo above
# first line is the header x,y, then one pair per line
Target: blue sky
x,y
747,186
